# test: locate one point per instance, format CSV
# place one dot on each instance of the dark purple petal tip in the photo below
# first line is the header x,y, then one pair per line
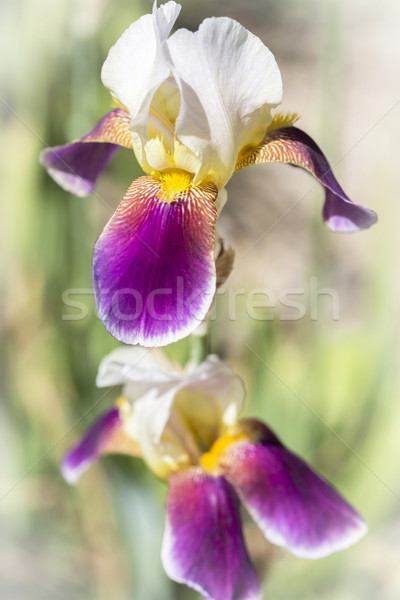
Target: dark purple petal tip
x,y
81,456
203,545
343,216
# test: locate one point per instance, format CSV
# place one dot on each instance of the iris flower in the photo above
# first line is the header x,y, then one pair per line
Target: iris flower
x,y
195,108
185,426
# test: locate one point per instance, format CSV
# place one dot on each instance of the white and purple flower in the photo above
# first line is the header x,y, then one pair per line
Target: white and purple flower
x,y
195,108
184,425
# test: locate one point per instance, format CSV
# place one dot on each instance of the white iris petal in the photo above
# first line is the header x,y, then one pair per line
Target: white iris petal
x,y
175,416
229,81
136,66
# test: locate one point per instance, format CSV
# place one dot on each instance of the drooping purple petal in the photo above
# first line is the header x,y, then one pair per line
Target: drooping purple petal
x,y
153,264
291,145
104,436
76,166
292,505
203,544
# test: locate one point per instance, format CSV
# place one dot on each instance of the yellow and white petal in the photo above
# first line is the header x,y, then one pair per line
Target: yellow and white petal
x,y
228,81
167,100
137,65
157,155
185,159
163,153
173,416
210,400
175,421
166,443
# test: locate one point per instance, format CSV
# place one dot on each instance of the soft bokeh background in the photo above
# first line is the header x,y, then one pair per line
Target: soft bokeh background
x,y
327,383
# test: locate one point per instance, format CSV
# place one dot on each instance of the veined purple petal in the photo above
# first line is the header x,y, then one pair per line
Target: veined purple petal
x,y
153,264
203,544
105,436
76,166
292,505
291,145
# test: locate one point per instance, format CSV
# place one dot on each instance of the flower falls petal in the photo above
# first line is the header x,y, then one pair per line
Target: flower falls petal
x,y
293,146
228,82
76,166
293,506
153,264
203,544
104,436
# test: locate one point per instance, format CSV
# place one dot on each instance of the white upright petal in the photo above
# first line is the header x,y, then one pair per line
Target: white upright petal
x,y
137,65
229,81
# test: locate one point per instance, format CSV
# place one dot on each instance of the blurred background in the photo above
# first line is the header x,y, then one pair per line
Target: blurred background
x,y
328,382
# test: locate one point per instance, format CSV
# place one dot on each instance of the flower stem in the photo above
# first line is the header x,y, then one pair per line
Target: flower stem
x,y
198,348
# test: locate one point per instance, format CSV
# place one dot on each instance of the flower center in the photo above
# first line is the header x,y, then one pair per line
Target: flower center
x,y
174,183
209,461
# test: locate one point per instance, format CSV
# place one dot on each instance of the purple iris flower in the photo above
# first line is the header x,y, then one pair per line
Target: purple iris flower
x,y
195,108
185,426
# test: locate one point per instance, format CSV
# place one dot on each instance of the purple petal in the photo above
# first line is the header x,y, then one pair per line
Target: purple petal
x,y
292,505
291,145
153,265
76,167
92,445
203,544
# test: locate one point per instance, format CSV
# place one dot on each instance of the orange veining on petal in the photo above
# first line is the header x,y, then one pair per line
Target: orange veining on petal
x,y
267,150
113,129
